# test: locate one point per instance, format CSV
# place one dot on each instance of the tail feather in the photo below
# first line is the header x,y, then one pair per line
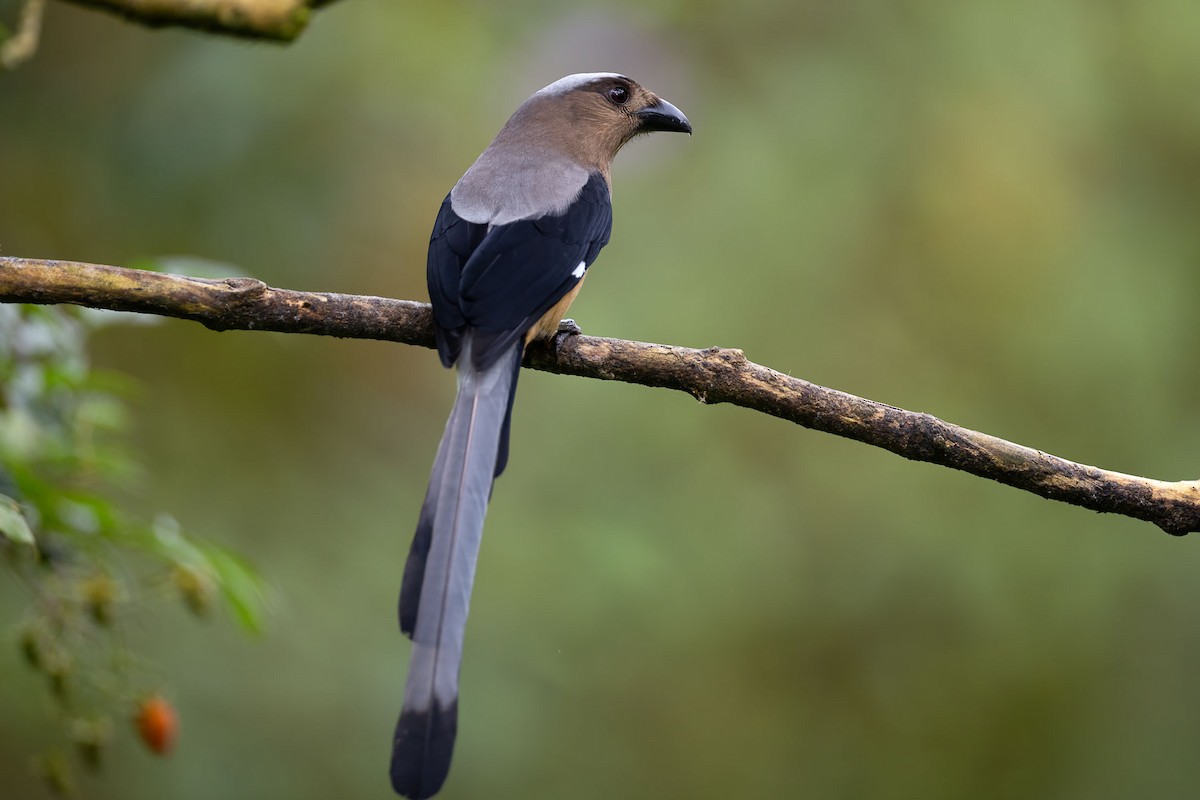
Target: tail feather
x,y
436,593
502,451
414,567
418,553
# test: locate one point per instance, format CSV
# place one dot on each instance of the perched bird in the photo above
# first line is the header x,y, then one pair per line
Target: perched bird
x,y
509,251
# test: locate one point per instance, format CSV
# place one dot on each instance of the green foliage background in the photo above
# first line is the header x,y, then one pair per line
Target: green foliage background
x,y
987,211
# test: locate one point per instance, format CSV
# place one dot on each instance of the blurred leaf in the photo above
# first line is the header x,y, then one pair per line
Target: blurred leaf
x,y
57,775
241,586
12,523
91,738
169,541
63,453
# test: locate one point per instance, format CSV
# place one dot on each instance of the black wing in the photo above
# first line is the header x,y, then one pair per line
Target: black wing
x,y
450,247
498,283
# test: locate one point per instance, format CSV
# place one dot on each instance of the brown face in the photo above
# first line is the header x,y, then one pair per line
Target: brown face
x,y
604,113
630,108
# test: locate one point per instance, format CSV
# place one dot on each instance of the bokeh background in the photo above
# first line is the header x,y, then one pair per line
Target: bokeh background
x,y
987,211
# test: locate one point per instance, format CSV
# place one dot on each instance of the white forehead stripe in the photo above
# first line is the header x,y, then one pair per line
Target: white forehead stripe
x,y
572,82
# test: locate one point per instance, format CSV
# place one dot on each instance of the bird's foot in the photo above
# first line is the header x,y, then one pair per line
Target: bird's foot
x,y
566,329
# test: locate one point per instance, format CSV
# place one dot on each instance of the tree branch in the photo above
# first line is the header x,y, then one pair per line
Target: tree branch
x,y
714,375
20,47
280,20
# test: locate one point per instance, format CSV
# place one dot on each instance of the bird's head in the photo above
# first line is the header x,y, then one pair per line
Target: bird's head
x,y
591,115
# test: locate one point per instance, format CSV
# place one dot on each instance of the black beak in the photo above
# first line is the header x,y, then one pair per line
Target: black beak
x,y
662,116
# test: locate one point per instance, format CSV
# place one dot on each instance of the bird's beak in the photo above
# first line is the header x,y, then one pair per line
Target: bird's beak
x,y
662,116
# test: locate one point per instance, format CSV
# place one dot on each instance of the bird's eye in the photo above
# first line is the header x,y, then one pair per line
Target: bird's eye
x,y
619,95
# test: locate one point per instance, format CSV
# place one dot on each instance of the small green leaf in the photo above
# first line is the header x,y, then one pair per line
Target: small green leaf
x,y
12,522
242,587
169,542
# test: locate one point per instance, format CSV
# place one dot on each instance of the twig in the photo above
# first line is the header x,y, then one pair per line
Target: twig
x,y
715,375
20,47
280,20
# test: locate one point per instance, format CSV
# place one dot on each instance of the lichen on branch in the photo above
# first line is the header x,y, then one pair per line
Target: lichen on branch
x,y
280,20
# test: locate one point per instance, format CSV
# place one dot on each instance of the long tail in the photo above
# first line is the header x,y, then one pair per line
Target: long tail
x,y
441,568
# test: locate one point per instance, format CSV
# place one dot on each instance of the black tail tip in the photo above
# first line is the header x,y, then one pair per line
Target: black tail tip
x,y
421,751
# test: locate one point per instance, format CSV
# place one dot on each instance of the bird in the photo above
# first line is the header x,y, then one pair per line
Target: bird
x,y
510,248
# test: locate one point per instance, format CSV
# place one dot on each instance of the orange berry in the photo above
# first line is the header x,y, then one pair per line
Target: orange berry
x,y
157,723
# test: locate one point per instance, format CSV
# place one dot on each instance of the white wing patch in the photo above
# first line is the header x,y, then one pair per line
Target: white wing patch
x,y
578,273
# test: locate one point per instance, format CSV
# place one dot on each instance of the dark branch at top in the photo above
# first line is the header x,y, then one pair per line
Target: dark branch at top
x,y
279,20
712,376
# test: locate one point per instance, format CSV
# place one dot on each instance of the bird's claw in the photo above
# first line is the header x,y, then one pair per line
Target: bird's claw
x,y
566,329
